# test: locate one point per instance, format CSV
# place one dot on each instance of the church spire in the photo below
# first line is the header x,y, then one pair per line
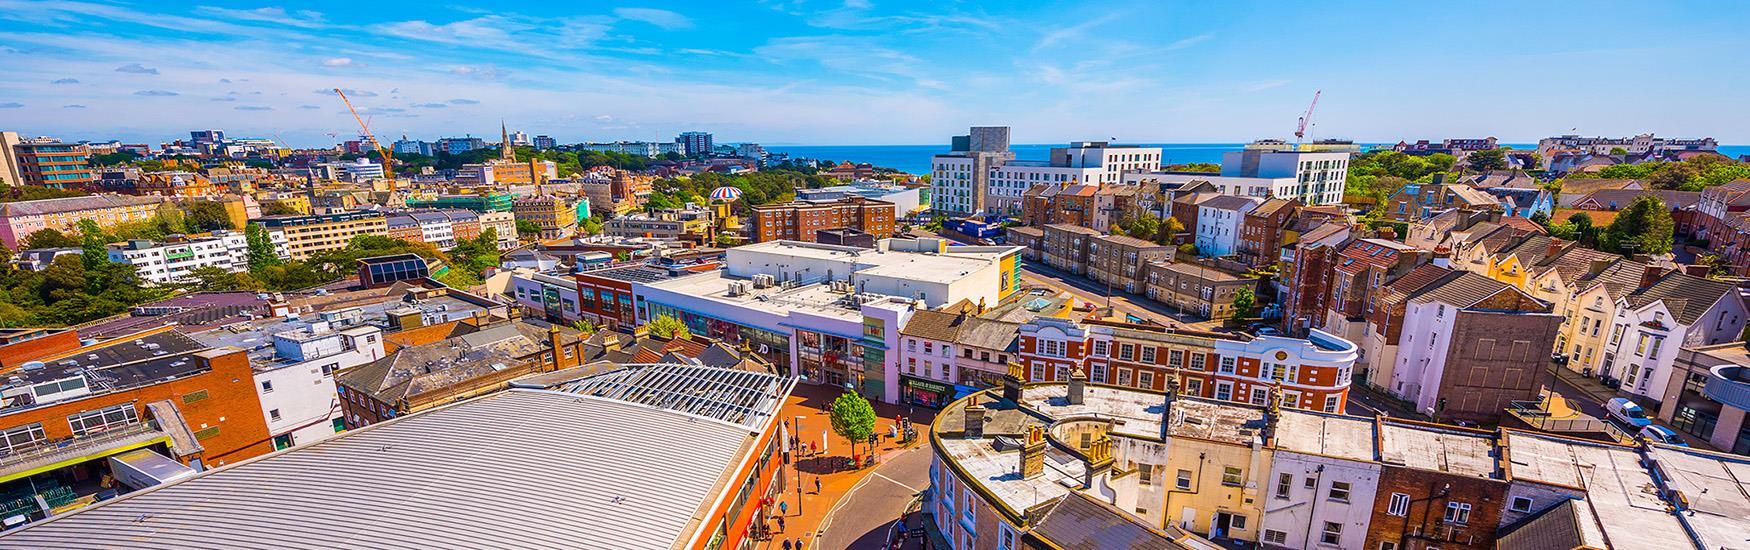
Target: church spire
x,y
504,150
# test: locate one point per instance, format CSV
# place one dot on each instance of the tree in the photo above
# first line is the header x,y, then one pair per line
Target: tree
x,y
852,418
277,208
1487,159
724,240
528,229
1170,227
1584,232
261,251
584,326
207,216
1645,227
1146,227
666,326
1202,167
1541,218
32,193
49,238
213,279
1244,303
1618,151
591,225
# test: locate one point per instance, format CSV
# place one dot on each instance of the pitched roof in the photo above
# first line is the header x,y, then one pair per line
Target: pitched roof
x,y
1621,277
1620,198
1687,296
1580,187
1565,526
1462,291
1520,197
73,204
1572,262
1133,242
1271,206
935,325
1077,522
1230,202
1522,224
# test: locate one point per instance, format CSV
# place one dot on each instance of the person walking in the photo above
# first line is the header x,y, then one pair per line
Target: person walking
x,y
781,524
783,508
817,485
788,545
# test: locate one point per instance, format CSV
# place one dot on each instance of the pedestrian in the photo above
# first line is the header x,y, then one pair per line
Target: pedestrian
x,y
788,545
800,542
784,508
817,485
780,524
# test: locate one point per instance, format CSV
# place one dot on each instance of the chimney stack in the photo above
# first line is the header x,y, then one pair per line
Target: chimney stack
x,y
1099,460
553,344
1555,247
1167,405
1078,382
1272,414
1698,270
1650,275
1033,453
1014,381
974,428
1598,266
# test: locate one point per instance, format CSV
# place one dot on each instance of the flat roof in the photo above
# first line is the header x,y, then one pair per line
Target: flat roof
x,y
1619,492
818,299
611,474
118,364
1346,437
1430,447
1717,486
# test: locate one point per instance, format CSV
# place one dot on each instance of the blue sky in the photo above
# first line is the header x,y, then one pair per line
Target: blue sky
x,y
875,72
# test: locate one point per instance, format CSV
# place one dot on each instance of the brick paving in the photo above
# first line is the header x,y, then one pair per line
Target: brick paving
x,y
831,468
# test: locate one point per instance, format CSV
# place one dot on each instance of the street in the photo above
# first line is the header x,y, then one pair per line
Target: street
x,y
865,516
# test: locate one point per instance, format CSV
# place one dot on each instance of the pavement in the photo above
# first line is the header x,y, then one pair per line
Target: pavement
x,y
1040,275
814,516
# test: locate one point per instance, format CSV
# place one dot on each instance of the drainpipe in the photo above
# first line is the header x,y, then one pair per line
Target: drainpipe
x,y
1312,512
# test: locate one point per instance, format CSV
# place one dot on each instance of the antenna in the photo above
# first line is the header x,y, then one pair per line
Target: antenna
x,y
1300,130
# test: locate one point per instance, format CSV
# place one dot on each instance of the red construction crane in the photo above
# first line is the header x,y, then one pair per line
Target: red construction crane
x,y
388,166
1300,131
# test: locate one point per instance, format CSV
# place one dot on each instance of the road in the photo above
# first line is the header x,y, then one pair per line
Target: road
x,y
862,518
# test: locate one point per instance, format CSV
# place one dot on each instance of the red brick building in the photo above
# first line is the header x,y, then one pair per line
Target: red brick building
x,y
22,345
799,221
1439,487
1261,232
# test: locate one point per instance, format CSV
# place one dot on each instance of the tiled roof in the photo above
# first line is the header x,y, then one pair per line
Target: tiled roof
x,y
1271,206
1077,522
1620,198
1570,264
1687,296
940,326
1567,525
1133,242
1580,187
1619,278
1230,202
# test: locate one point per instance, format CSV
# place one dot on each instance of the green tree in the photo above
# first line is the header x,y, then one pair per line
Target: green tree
x,y
49,238
591,225
1541,218
1487,159
1201,167
1644,227
724,240
1618,151
261,251
666,326
527,229
206,216
584,326
852,418
1188,250
1146,227
32,193
6,267
213,279
1244,303
1584,232
277,208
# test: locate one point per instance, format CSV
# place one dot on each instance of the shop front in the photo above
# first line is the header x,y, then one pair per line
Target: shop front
x,y
925,393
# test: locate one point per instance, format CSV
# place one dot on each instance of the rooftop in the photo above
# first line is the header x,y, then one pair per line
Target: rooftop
x,y
737,397
119,364
1619,492
1432,447
604,482
1717,489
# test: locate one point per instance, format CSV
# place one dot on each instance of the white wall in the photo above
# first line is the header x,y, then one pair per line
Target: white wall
x,y
1422,352
1303,513
304,396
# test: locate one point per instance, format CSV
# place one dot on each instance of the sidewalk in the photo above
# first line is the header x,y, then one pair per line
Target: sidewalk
x,y
829,469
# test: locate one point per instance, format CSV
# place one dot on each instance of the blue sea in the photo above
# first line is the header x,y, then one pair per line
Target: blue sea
x,y
915,159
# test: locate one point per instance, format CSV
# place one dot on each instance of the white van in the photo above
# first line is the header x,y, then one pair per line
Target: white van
x,y
1627,412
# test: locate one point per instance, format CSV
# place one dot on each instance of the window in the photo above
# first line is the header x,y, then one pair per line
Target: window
x,y
1145,379
1272,536
22,436
1331,403
1127,351
1100,348
1184,481
1005,538
1238,522
1457,512
1260,396
1340,491
1197,361
1097,374
1284,483
1123,377
1224,390
1388,545
266,386
911,345
1521,504
1145,474
1399,505
1332,533
103,419
1047,347
273,414
1148,355
1231,476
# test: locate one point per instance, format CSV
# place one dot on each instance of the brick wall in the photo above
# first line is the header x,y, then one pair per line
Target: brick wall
x,y
1430,493
1495,358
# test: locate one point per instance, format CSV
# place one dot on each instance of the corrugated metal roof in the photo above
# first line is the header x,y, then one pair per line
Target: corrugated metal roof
x,y
516,469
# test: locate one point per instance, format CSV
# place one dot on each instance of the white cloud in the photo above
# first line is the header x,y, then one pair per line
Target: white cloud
x,y
155,93
1265,85
661,18
1073,32
300,18
464,102
483,72
340,62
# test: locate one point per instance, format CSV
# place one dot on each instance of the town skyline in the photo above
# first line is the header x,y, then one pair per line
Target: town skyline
x,y
863,73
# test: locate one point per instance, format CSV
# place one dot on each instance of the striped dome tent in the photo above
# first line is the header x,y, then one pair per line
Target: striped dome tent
x,y
725,193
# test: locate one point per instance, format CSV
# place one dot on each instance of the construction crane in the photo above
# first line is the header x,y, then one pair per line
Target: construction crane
x,y
388,166
1299,131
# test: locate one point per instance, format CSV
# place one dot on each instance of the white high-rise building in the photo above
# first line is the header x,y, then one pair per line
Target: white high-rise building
x,y
173,261
1312,177
981,175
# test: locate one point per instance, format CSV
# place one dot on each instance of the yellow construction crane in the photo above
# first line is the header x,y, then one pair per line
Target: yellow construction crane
x,y
388,166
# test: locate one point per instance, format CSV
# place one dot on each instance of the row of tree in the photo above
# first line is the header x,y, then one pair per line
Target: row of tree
x,y
1644,227
1695,174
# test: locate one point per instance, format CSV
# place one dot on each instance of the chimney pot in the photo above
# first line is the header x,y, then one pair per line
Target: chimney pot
x,y
1078,382
1650,274
974,426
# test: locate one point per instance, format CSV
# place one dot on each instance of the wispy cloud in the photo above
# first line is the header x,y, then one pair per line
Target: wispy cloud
x,y
661,18
136,68
301,18
482,72
348,91
1183,43
341,62
65,81
464,102
155,93
1073,32
1265,85
73,106
253,108
11,105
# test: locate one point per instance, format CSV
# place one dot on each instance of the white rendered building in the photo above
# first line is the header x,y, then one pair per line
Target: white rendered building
x,y
172,262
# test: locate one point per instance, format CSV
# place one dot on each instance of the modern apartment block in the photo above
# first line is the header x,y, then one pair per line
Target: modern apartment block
x,y
52,163
960,179
299,237
19,219
695,143
174,259
557,216
800,220
1266,170
1123,262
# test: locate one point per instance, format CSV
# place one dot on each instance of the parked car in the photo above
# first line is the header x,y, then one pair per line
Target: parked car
x,y
1661,434
1627,412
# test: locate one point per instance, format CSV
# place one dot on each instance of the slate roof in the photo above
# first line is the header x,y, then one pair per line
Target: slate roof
x,y
1077,522
1230,202
1572,263
1686,296
1133,242
1564,526
1520,197
1621,198
1621,277
1462,291
1580,187
73,204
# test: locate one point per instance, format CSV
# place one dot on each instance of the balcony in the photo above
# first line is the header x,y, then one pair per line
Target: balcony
x,y
1729,385
50,455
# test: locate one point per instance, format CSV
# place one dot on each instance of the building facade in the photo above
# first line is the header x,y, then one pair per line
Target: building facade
x,y
299,237
172,261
